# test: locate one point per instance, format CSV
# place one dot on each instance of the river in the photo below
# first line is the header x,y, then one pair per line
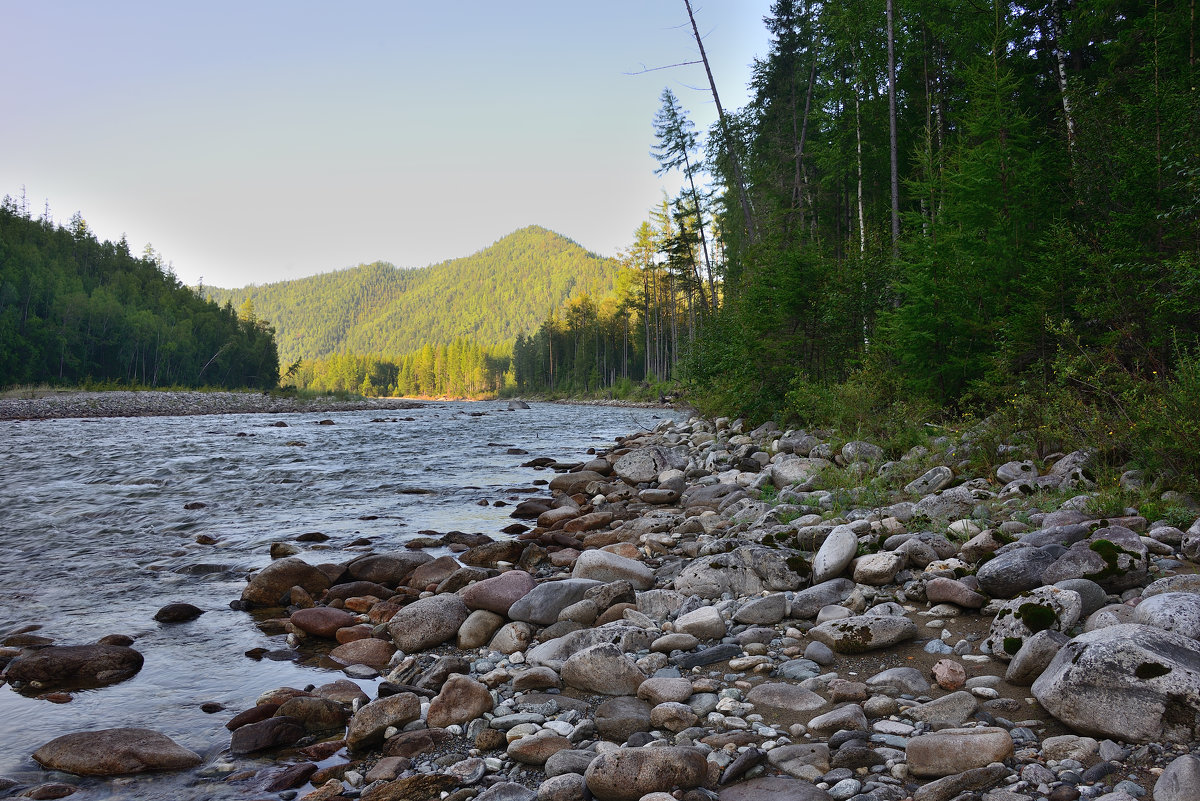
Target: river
x,y
97,536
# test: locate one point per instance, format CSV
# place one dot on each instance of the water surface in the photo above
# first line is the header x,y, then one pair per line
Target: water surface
x,y
96,538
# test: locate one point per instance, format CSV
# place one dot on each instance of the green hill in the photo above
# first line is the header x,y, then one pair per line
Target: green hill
x,y
492,296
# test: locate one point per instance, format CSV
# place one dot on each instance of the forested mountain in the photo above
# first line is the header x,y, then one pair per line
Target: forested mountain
x,y
73,308
490,297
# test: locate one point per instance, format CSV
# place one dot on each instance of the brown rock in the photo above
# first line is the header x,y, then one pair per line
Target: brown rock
x,y
949,675
111,752
420,787
411,744
630,773
537,749
367,651
461,700
321,621
369,723
274,582
498,594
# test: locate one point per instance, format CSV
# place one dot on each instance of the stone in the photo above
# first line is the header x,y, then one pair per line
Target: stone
x,y
271,585
627,774
537,678
1013,572
798,759
270,733
498,594
427,622
542,605
744,572
674,642
576,482
849,717
322,621
952,503
861,633
411,788
663,689
1114,557
807,603
933,480
178,613
859,451
608,567
555,652
1017,620
536,749
774,788
461,700
949,675
478,628
835,553
955,708
899,681
788,698
74,666
801,471
343,691
315,714
369,723
707,656
562,787
765,611
602,669
507,791
642,465
1091,593
1034,656
389,569
1132,682
1016,471
704,623
431,574
674,717
1171,611
1109,615
618,718
1071,746
877,569
511,637
367,651
111,752
941,590
1180,781
952,786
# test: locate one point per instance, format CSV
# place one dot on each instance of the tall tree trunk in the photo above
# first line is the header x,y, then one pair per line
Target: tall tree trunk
x,y
891,47
1056,31
731,149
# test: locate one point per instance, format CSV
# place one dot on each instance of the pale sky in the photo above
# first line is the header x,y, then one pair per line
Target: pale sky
x,y
260,141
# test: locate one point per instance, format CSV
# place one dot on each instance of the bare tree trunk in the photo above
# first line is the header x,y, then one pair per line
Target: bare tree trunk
x,y
862,226
799,182
891,45
1056,31
731,150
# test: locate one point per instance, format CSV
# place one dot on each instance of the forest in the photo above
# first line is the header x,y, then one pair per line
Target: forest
x,y
75,310
930,209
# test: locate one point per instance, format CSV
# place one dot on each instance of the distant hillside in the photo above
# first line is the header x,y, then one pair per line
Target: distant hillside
x,y
493,296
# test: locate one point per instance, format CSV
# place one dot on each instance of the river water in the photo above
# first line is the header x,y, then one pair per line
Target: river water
x,y
95,538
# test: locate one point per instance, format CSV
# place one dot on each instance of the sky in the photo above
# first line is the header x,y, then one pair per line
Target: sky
x,y
257,141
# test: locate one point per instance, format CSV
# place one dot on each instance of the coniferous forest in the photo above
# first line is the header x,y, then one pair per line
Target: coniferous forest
x,y
75,310
936,209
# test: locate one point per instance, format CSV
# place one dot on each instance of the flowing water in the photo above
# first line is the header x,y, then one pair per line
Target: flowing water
x,y
96,538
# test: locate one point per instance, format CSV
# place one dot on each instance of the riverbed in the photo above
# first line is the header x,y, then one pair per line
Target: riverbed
x,y
107,520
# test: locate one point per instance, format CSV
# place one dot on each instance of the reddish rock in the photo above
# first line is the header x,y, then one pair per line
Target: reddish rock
x,y
367,651
498,594
321,621
949,674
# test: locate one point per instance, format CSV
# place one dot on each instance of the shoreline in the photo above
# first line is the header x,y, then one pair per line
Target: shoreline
x,y
57,405
176,403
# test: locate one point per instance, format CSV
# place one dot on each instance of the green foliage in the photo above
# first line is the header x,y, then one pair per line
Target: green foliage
x,y
490,298
74,310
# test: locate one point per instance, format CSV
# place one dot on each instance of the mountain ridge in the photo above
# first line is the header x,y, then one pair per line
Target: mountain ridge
x,y
492,296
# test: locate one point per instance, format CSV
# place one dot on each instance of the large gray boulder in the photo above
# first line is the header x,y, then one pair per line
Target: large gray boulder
x,y
643,465
1013,572
627,774
1046,608
861,633
603,669
1132,682
745,571
807,603
389,569
835,553
111,752
1114,557
1171,611
427,622
953,503
553,653
787,471
608,567
541,605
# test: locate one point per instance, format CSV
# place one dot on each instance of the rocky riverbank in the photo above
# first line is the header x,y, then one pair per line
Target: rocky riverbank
x,y
705,612
49,405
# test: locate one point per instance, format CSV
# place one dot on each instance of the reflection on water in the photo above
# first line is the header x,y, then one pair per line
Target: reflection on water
x,y
96,538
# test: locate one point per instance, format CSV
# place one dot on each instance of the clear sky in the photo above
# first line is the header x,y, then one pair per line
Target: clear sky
x,y
258,141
